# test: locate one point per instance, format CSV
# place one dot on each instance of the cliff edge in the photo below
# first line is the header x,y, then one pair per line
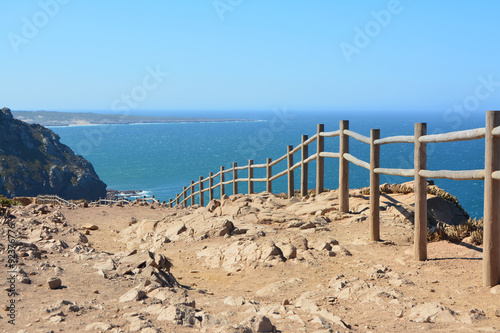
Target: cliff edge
x,y
33,161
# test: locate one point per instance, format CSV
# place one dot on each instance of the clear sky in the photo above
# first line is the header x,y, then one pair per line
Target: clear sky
x,y
250,55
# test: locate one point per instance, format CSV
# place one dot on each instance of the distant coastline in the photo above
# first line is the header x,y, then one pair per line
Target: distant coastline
x,y
54,118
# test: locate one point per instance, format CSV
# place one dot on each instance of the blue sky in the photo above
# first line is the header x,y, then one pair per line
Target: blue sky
x,y
250,55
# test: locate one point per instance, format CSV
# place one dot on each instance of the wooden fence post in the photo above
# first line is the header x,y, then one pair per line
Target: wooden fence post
x,y
250,176
235,176
374,186
192,193
177,197
222,190
184,201
202,199
320,162
420,186
210,186
343,168
291,188
269,174
304,167
170,203
491,237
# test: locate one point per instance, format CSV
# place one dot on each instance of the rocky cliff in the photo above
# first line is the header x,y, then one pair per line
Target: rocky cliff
x,y
33,161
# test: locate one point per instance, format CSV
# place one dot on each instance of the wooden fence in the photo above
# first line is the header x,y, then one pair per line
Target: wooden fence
x,y
53,200
490,174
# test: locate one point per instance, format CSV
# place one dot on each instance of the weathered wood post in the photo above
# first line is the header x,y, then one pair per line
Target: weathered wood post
x,y
210,186
304,167
170,203
420,185
202,201
177,199
269,174
222,186
320,162
250,177
235,176
491,237
192,193
374,186
184,201
289,156
343,168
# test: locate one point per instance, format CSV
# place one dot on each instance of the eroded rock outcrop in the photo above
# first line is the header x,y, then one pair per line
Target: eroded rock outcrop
x,y
33,161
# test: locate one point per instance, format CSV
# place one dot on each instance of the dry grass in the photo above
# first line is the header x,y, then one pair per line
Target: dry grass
x,y
473,228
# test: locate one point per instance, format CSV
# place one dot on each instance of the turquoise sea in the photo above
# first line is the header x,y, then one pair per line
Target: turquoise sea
x,y
162,158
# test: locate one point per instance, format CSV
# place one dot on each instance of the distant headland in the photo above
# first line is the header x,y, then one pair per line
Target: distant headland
x,y
54,118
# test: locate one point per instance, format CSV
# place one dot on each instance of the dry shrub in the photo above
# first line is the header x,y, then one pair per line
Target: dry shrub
x,y
456,233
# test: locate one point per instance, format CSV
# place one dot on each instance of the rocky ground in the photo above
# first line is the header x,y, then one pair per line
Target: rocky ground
x,y
247,263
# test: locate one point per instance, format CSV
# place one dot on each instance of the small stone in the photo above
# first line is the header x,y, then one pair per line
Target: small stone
x,y
54,283
90,227
285,302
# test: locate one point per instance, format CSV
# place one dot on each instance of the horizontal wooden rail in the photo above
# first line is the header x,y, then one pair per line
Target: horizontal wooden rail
x,y
395,139
328,154
357,136
242,168
452,174
296,149
330,134
296,165
357,161
240,180
472,134
282,158
310,140
259,179
395,172
311,158
495,175
258,166
496,131
278,175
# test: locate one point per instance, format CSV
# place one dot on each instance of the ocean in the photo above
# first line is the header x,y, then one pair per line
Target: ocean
x,y
160,159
